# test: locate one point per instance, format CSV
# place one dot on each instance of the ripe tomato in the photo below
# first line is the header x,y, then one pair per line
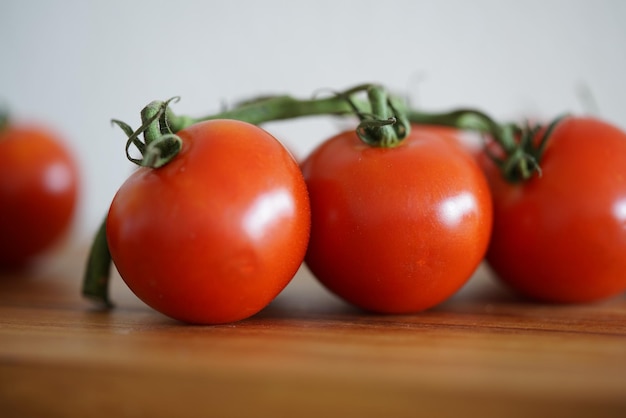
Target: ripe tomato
x,y
396,230
38,192
214,235
561,236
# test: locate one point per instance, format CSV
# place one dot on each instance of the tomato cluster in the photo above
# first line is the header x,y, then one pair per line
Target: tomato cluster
x,y
393,220
214,235
217,233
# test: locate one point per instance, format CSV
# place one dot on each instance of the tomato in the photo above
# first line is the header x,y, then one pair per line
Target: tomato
x,y
561,236
396,230
214,235
38,192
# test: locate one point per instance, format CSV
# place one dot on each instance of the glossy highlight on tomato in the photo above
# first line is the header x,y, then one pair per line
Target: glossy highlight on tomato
x,y
214,235
396,230
561,236
39,188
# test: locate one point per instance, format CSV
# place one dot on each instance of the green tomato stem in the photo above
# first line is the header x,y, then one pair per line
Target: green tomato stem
x,y
269,109
98,269
378,115
160,144
520,160
379,130
464,119
149,115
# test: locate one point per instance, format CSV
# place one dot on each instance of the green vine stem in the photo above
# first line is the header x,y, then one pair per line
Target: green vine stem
x,y
521,147
98,272
377,114
384,121
267,109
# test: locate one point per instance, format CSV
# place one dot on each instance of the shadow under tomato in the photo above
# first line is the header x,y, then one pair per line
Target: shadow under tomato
x,y
306,298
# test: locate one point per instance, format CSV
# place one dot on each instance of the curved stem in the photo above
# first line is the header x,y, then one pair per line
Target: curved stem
x,y
160,144
379,115
97,273
275,108
520,161
271,109
467,119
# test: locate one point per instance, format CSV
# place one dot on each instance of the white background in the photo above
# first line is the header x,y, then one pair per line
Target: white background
x,y
74,64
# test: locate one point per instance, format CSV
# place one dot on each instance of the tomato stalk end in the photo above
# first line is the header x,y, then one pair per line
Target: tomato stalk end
x,y
160,145
387,124
521,160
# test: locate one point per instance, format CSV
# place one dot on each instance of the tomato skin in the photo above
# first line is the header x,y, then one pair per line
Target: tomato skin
x,y
396,230
561,237
214,235
38,192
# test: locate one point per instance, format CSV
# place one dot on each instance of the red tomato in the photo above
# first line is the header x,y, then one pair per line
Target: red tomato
x,y
38,192
561,237
396,230
214,235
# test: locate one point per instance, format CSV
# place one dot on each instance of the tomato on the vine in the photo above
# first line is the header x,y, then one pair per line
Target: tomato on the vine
x,y
38,192
561,235
400,229
215,234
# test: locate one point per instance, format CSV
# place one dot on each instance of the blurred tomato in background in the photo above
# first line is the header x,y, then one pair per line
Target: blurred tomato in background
x,y
38,192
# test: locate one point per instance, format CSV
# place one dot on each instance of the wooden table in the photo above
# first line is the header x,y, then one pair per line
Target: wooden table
x,y
484,353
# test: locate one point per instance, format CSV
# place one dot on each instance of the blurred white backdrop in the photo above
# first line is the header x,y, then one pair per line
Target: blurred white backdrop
x,y
76,64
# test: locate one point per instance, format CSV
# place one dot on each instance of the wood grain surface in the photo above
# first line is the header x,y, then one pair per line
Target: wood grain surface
x,y
483,353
